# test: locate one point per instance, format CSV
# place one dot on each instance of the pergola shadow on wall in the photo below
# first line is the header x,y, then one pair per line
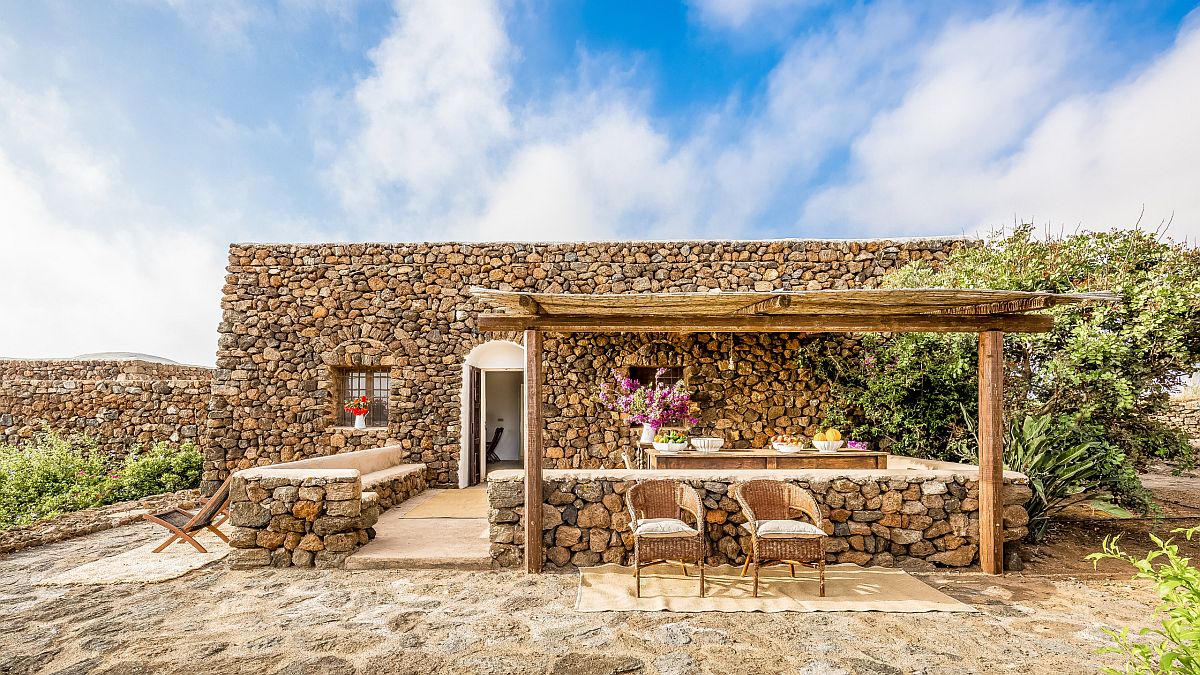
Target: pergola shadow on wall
x,y
989,313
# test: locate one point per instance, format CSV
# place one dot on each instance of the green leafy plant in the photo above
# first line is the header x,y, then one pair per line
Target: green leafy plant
x,y
1058,468
157,470
53,475
1174,645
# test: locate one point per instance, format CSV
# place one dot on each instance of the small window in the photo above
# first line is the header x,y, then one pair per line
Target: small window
x,y
645,376
375,385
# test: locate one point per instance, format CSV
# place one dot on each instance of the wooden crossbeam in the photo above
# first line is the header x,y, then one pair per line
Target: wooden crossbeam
x,y
767,306
916,323
1001,307
530,305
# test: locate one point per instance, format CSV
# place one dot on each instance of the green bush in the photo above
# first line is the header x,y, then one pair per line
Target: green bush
x,y
1174,645
50,477
54,475
1100,375
161,469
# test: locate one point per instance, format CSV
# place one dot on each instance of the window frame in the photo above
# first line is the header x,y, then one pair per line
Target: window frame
x,y
682,370
377,417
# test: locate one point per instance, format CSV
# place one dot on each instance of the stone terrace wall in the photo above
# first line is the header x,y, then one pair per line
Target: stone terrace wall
x,y
119,403
915,521
294,312
1184,415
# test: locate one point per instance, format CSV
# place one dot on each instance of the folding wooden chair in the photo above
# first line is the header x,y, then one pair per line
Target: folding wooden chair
x,y
183,524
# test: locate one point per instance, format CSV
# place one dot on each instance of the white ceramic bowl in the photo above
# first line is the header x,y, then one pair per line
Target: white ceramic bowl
x,y
784,447
670,447
828,446
708,444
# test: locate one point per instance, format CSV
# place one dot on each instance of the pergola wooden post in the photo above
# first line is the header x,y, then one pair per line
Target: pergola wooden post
x,y
991,451
989,313
533,451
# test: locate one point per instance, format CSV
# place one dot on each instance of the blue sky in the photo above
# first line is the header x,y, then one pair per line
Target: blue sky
x,y
139,137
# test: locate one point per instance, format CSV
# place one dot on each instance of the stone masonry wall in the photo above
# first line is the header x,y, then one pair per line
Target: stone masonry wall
x,y
1184,415
915,522
293,314
301,521
285,519
118,403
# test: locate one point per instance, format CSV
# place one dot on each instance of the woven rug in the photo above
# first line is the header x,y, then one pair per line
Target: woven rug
x,y
143,565
848,588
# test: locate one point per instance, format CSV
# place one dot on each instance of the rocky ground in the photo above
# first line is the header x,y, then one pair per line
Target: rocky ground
x,y
296,621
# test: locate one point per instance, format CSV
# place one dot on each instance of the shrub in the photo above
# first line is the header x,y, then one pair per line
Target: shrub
x,y
1174,645
158,470
54,475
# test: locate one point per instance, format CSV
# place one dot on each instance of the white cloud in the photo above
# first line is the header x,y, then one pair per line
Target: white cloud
x,y
451,154
83,266
432,112
994,128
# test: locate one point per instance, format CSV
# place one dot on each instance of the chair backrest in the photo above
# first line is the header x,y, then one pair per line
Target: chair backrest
x,y
663,499
767,499
495,439
215,504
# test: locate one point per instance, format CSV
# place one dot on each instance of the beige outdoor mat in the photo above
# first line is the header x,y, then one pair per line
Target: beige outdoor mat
x,y
468,503
143,565
848,588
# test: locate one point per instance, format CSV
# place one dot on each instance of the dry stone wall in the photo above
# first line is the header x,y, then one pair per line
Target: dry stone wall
x,y
1185,416
118,403
293,314
913,521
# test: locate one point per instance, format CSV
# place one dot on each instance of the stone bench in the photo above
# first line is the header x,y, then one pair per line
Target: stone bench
x,y
316,511
380,469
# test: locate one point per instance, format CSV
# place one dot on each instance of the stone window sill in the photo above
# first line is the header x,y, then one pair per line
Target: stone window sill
x,y
357,430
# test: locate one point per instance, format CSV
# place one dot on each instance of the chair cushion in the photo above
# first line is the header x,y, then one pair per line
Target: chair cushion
x,y
780,529
663,527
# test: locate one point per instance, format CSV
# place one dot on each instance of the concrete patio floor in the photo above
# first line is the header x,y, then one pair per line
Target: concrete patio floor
x,y
457,541
502,622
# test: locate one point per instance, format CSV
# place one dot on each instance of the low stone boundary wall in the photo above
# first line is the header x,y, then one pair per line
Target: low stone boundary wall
x,y
1185,416
916,519
96,519
307,517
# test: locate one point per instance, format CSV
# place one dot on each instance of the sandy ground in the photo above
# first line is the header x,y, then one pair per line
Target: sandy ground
x,y
305,621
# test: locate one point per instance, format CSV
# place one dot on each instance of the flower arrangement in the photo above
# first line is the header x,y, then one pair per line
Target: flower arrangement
x,y
358,406
653,406
856,445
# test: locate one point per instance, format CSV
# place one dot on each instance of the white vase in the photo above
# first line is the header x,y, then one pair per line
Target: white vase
x,y
360,421
647,434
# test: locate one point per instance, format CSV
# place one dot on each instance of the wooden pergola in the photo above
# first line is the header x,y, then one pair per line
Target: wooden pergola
x,y
989,313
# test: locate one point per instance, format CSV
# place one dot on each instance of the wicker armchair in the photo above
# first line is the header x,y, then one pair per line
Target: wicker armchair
x,y
769,507
659,504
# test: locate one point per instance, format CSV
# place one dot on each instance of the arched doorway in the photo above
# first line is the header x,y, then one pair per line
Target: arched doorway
x,y
493,396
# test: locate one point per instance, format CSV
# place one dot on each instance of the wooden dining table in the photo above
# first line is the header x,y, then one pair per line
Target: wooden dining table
x,y
766,459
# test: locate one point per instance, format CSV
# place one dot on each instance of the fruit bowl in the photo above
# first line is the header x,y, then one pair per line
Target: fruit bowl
x,y
670,447
708,444
787,447
828,446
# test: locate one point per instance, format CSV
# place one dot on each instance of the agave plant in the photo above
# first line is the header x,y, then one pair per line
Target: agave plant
x,y
1058,468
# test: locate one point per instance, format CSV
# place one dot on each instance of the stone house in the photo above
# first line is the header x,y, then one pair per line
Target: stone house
x,y
306,327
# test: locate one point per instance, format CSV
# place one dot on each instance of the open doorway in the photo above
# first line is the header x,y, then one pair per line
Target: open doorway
x,y
493,411
502,432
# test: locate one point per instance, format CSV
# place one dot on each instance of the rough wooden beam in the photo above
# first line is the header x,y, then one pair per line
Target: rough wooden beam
x,y
1002,307
767,306
918,323
530,305
533,451
991,451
